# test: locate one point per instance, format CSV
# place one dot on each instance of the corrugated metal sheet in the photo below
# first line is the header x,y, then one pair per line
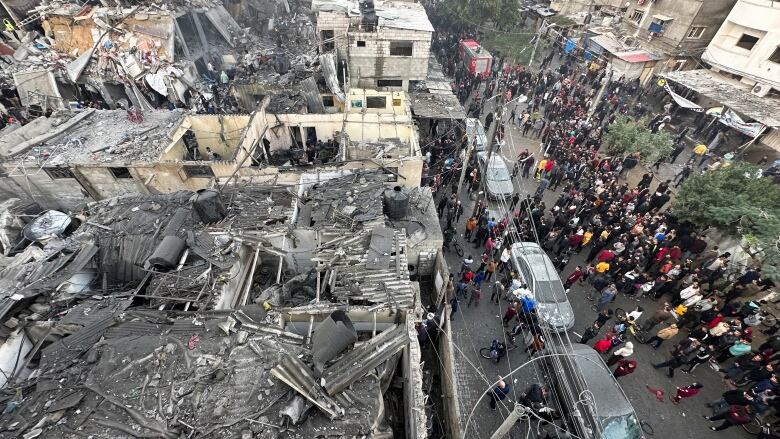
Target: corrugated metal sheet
x,y
92,311
403,15
712,85
60,354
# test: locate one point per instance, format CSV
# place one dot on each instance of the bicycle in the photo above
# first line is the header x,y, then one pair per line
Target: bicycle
x,y
640,335
458,248
496,352
756,425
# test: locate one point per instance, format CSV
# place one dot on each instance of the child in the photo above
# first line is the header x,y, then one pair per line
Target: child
x,y
476,294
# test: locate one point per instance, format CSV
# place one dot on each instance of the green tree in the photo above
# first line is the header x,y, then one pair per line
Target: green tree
x,y
627,136
739,202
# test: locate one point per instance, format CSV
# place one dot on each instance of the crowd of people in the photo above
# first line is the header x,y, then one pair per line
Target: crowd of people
x,y
631,243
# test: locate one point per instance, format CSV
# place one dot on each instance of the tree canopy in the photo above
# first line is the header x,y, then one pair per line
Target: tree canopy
x,y
626,136
738,201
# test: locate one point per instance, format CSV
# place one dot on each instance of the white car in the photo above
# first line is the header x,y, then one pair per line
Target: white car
x,y
498,182
539,273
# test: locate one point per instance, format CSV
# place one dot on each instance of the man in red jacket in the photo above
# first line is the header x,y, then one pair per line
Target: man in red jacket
x,y
737,415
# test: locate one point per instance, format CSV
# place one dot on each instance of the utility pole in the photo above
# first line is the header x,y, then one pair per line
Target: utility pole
x,y
597,100
520,412
469,148
536,44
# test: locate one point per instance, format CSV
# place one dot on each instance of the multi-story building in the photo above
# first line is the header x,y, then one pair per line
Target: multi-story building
x,y
744,77
747,46
66,161
382,44
676,31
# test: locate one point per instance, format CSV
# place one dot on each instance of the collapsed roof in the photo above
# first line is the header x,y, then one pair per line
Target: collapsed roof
x,y
211,313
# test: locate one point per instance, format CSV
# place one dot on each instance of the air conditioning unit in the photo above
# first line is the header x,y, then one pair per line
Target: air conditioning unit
x,y
760,89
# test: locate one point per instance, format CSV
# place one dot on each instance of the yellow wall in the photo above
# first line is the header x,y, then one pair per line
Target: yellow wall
x,y
221,133
70,34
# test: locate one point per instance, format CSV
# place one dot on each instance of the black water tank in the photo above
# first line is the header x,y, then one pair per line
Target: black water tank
x,y
396,203
207,203
167,253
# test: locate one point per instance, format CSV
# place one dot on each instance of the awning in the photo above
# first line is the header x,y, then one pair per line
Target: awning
x,y
662,17
681,101
765,110
635,56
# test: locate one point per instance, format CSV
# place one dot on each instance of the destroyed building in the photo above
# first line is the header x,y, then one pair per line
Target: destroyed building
x,y
140,56
75,157
382,44
258,310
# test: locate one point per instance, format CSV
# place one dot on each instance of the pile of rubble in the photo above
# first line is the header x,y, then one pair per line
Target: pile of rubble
x,y
210,314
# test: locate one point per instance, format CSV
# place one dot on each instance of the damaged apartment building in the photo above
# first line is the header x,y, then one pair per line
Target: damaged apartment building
x,y
139,56
75,157
381,44
253,311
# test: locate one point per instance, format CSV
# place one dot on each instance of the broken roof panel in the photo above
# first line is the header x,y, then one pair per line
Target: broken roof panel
x,y
100,136
364,358
608,43
733,95
350,7
403,15
437,106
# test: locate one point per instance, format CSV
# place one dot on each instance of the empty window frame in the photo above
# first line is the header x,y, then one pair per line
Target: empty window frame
x,y
118,172
637,16
747,41
401,48
361,43
696,32
376,102
58,173
328,101
327,37
198,171
775,58
389,83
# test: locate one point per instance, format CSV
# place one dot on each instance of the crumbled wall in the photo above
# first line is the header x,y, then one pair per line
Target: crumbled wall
x,y
146,31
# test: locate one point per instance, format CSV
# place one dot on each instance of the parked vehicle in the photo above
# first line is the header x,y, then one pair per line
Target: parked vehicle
x,y
475,133
475,58
498,182
539,273
602,411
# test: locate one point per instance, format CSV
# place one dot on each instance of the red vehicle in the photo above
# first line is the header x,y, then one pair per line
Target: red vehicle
x,y
476,59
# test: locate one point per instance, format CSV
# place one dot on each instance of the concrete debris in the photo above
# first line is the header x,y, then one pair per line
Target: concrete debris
x,y
142,319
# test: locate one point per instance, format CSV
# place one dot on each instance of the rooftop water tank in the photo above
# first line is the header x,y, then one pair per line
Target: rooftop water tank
x,y
207,203
396,203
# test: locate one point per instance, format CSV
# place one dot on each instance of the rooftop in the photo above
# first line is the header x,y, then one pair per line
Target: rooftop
x,y
264,310
730,93
91,136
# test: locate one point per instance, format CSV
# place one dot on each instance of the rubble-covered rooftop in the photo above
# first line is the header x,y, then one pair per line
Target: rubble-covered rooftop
x,y
213,313
91,136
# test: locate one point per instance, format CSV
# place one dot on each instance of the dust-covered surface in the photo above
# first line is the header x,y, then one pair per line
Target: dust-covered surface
x,y
110,136
170,384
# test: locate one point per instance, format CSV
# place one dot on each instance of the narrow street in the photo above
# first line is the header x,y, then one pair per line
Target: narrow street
x,y
475,327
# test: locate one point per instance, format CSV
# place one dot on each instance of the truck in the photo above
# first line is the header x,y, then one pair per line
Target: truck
x,y
475,58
